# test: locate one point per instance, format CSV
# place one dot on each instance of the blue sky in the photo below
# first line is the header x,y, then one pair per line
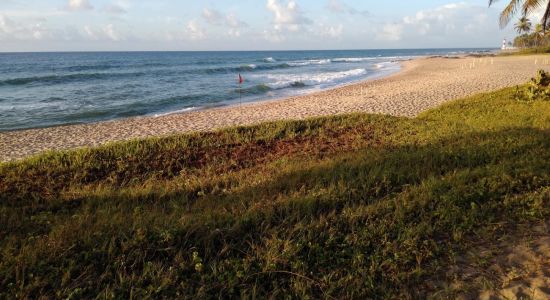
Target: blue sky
x,y
92,25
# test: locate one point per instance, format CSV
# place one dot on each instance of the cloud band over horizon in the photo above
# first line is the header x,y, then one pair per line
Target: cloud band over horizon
x,y
95,25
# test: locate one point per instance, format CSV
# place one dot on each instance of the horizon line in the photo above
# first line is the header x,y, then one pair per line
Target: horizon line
x,y
289,50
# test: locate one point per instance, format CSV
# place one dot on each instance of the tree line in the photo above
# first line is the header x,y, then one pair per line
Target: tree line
x,y
529,36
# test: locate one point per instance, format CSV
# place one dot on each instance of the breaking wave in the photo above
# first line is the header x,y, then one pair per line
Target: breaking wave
x,y
300,63
285,81
244,68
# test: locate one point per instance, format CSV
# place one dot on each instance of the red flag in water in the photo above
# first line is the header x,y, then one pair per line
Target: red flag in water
x,y
241,79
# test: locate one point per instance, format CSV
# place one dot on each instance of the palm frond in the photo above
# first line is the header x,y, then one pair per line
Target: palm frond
x,y
531,5
508,12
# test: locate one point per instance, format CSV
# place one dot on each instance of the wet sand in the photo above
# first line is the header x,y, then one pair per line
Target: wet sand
x,y
421,84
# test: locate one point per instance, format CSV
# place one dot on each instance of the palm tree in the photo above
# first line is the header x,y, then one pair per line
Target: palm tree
x,y
539,34
526,7
523,25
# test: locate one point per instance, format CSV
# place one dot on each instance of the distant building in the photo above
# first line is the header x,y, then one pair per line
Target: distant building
x,y
507,46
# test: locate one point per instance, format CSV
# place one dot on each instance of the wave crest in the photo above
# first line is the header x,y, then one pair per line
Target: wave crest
x,y
353,59
300,63
244,68
59,79
285,81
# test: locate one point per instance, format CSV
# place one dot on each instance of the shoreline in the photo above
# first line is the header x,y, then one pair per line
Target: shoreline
x,y
229,104
222,106
235,103
420,84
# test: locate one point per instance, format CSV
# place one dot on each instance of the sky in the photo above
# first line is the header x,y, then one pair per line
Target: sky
x,y
167,25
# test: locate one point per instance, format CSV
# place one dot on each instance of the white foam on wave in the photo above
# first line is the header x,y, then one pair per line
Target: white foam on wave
x,y
388,65
309,62
385,64
362,59
270,59
280,81
353,59
187,109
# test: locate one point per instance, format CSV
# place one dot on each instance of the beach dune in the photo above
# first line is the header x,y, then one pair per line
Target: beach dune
x,y
421,84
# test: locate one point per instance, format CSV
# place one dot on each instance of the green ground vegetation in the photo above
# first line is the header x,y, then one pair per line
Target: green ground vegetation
x,y
347,206
538,89
527,51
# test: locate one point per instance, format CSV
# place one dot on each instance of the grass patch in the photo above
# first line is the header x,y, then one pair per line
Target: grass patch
x,y
527,51
341,207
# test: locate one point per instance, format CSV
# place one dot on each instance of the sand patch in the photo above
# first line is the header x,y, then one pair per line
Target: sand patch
x,y
515,267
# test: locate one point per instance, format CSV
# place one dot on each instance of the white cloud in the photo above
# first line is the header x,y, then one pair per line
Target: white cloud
x,y
235,25
339,7
454,21
439,20
114,9
79,5
391,32
273,36
111,32
336,6
90,33
33,14
107,32
287,17
283,24
232,21
194,31
216,18
11,30
6,25
332,31
234,32
212,16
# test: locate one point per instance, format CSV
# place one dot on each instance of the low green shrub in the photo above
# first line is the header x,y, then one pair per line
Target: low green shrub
x,y
538,88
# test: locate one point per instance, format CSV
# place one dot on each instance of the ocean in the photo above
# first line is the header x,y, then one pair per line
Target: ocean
x,y
51,89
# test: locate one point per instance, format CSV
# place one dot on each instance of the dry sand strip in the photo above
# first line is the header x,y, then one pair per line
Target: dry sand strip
x,y
422,84
516,266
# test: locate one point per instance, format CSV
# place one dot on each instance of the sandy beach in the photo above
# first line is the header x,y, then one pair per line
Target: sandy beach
x,y
421,84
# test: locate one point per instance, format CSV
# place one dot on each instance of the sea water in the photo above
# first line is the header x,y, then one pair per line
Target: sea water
x,y
50,89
